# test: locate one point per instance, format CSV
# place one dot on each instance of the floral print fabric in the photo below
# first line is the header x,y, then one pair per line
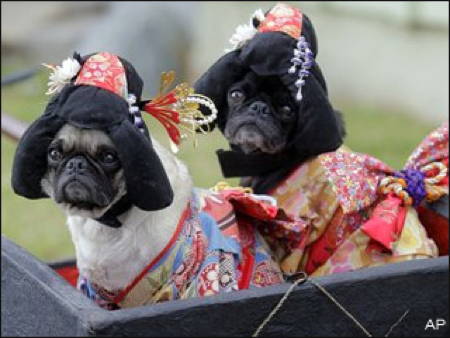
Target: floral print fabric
x,y
219,249
104,70
351,224
283,18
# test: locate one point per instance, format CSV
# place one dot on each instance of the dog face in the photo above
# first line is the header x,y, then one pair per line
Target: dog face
x,y
84,175
261,114
315,128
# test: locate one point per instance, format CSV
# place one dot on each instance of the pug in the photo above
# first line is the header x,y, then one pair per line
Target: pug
x,y
270,130
84,175
286,140
85,178
142,232
263,121
261,115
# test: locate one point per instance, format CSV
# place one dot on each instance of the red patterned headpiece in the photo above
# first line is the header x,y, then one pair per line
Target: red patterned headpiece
x,y
283,18
104,70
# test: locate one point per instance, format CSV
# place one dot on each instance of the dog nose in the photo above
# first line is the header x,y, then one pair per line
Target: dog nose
x,y
77,164
259,107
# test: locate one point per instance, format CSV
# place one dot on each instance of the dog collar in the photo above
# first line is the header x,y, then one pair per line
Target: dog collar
x,y
110,217
238,164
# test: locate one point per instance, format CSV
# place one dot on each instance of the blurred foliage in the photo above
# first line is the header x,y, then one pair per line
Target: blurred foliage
x,y
39,225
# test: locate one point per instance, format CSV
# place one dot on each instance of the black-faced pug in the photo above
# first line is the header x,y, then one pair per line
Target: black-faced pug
x,y
286,140
269,129
261,115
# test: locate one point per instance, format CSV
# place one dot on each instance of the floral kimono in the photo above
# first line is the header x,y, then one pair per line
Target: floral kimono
x,y
216,248
355,213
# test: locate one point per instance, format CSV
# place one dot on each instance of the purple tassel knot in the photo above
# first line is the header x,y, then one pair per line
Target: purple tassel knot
x,y
415,181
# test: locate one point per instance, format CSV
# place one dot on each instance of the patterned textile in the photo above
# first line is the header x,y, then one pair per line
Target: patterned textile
x,y
218,249
104,70
350,224
283,18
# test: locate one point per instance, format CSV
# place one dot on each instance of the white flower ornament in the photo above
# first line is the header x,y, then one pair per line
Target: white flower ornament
x,y
61,75
245,32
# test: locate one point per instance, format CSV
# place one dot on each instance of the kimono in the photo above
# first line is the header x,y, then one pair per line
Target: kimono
x,y
333,213
216,248
350,223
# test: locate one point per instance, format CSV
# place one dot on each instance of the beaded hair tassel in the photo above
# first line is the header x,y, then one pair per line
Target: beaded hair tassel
x,y
303,60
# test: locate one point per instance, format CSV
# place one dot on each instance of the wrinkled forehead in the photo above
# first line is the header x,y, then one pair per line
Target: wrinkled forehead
x,y
89,140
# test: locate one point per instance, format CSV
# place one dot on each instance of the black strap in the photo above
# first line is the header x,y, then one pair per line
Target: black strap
x,y
266,170
110,217
238,164
263,184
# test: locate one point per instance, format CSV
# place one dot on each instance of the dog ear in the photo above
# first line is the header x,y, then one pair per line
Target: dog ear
x,y
147,183
320,128
30,159
215,82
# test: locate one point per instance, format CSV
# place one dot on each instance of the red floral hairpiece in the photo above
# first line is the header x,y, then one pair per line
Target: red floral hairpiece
x,y
179,109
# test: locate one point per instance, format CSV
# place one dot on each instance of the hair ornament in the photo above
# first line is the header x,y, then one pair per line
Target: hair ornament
x,y
245,32
178,110
303,60
135,112
61,75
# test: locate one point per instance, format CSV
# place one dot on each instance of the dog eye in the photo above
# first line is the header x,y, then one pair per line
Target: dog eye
x,y
54,154
108,157
236,95
286,111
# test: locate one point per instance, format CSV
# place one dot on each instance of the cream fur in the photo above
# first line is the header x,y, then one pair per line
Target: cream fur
x,y
112,257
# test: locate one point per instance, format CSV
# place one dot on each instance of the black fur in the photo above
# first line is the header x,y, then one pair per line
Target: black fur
x,y
318,127
261,115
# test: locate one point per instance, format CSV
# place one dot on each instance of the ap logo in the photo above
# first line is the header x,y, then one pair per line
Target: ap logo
x,y
435,325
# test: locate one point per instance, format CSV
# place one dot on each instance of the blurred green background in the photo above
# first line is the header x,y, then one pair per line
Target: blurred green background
x,y
39,226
